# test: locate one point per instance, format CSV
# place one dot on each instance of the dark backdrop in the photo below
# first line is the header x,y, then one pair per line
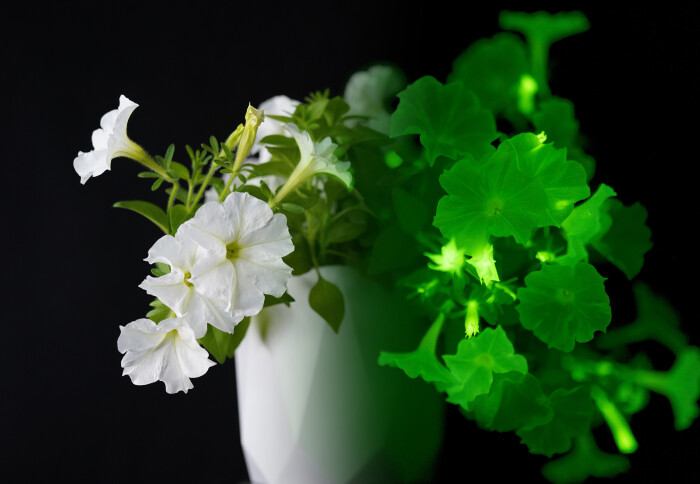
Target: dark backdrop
x,y
72,263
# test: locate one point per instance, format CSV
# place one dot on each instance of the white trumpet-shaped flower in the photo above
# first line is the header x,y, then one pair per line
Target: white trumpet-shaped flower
x,y
192,269
315,158
109,141
276,106
247,242
167,351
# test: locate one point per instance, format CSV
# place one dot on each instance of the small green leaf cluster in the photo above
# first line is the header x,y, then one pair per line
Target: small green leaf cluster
x,y
489,223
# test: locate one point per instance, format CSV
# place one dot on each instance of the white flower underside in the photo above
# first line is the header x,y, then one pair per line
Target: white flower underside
x,y
109,141
166,352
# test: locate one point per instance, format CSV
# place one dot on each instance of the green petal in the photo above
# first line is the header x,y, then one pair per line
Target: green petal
x,y
475,362
448,118
563,305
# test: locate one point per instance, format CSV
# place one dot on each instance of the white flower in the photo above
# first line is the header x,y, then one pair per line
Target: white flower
x,y
368,93
276,106
109,141
247,242
191,269
167,352
315,158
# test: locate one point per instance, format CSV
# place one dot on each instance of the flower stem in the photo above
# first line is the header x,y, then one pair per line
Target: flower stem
x,y
624,438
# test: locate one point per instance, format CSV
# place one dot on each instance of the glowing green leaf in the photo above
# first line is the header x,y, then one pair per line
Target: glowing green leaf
x,y
573,411
564,304
681,385
628,239
586,460
422,362
448,119
587,222
475,362
515,402
493,69
656,319
524,185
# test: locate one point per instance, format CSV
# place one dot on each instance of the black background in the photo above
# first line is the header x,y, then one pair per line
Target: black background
x,y
72,263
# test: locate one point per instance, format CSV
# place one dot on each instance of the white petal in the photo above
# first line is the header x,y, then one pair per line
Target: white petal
x,y
99,139
167,352
254,214
303,139
118,142
272,240
215,220
90,164
279,106
203,310
171,289
267,276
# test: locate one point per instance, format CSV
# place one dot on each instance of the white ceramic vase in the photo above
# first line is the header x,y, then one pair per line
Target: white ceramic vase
x,y
314,406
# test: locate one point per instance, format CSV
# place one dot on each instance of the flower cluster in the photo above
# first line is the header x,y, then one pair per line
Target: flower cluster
x,y
221,256
222,263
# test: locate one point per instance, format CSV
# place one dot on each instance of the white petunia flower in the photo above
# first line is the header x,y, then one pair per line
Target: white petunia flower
x,y
191,268
167,352
248,242
276,106
109,141
315,158
369,93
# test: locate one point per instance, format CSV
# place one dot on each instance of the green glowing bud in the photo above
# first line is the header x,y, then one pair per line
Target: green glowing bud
x,y
253,119
485,265
619,427
545,256
542,137
451,259
471,323
526,94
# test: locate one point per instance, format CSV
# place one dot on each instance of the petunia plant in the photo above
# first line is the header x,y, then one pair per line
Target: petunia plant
x,y
275,198
496,229
473,197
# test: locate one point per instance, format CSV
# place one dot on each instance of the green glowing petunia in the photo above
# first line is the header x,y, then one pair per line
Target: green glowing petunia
x,y
563,305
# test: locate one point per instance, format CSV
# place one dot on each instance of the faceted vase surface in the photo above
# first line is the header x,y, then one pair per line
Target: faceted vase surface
x,y
314,406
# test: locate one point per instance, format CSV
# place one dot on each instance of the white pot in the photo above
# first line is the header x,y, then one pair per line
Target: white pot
x,y
314,406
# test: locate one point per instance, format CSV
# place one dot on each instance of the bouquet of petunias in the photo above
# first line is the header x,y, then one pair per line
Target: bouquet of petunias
x,y
240,216
495,237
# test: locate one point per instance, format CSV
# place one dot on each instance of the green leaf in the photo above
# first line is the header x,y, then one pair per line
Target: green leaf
x,y
222,345
422,362
573,412
475,362
586,223
300,259
563,305
149,210
586,460
448,119
289,207
412,214
392,250
178,215
492,69
159,312
524,185
344,231
628,238
156,184
285,299
656,320
326,299
181,170
515,402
